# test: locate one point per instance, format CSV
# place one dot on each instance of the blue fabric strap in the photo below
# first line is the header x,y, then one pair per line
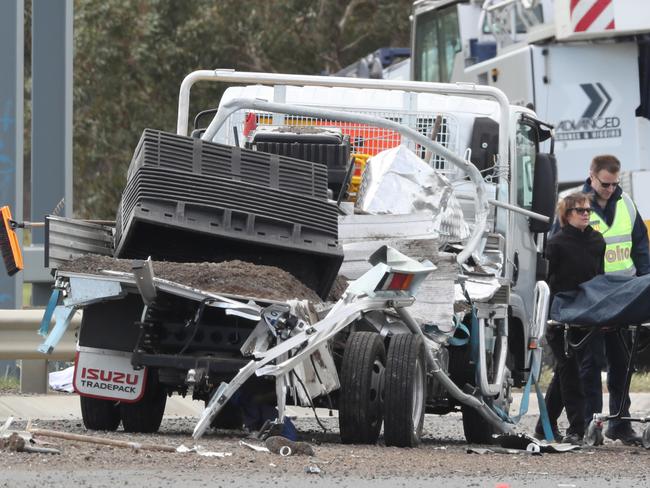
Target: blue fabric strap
x,y
543,412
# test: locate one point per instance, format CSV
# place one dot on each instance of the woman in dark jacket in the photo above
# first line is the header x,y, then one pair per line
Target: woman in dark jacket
x,y
575,255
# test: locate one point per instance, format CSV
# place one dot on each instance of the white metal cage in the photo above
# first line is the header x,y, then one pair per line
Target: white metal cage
x,y
364,138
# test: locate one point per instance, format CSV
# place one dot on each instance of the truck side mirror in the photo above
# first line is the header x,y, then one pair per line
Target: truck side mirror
x,y
544,191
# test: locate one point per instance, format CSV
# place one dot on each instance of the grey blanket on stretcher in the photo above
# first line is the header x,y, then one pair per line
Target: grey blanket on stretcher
x,y
603,301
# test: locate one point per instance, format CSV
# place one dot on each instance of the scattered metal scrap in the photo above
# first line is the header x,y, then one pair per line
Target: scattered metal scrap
x,y
101,440
202,452
524,442
16,443
254,447
21,441
286,447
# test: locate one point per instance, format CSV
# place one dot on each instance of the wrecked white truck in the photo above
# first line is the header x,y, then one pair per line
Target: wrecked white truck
x,y
216,279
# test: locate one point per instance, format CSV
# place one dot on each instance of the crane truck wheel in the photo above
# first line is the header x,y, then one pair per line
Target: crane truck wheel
x,y
145,415
405,391
360,399
100,414
477,430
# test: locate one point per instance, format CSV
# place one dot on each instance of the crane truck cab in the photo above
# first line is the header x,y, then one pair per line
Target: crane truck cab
x,y
582,65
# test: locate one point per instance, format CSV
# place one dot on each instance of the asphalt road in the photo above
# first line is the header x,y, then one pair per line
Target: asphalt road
x,y
441,460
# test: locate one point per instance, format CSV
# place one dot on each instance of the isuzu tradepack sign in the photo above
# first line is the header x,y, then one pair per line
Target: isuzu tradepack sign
x,y
104,374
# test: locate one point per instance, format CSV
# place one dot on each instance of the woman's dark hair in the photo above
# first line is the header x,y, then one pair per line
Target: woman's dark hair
x,y
571,201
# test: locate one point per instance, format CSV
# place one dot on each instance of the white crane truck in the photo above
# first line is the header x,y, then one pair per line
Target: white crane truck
x,y
144,336
582,64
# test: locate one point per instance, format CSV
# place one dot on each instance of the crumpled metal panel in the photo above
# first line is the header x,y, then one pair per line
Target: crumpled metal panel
x,y
478,289
396,181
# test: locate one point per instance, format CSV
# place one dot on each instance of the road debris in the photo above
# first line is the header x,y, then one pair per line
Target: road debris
x,y
500,450
101,440
62,380
254,447
285,447
525,442
313,470
202,452
21,441
16,443
13,443
6,425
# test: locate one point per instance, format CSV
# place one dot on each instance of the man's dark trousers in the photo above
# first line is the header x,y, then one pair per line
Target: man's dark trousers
x,y
605,348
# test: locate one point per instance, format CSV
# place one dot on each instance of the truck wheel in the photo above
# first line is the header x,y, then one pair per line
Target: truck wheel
x,y
405,391
362,371
100,414
477,429
145,415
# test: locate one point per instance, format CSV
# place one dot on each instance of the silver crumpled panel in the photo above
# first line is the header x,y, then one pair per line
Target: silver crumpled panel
x,y
396,181
478,289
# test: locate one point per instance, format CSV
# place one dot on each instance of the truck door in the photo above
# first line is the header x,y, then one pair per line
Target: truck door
x,y
522,251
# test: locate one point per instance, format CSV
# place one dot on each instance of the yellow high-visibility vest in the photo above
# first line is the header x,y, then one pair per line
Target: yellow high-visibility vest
x,y
618,237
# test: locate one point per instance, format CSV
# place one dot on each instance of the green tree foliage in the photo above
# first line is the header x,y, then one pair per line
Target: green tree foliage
x,y
131,56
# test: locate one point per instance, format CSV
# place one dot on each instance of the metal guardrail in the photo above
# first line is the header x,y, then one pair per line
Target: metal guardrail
x,y
19,337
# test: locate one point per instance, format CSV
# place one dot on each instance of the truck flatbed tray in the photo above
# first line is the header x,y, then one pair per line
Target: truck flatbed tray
x,y
236,277
178,289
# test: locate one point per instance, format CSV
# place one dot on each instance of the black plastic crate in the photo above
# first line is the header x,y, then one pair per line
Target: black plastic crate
x,y
165,150
330,150
188,200
220,192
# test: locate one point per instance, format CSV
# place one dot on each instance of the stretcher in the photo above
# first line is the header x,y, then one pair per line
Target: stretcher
x,y
639,342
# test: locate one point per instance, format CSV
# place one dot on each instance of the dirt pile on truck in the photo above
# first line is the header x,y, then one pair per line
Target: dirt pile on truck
x,y
228,277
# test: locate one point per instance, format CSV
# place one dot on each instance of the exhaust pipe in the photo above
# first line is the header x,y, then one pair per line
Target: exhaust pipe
x,y
434,368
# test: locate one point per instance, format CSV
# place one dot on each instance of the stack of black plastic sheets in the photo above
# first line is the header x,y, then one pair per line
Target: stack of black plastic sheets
x,y
189,200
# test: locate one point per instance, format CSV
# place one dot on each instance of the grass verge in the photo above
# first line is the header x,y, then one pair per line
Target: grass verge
x,y
9,385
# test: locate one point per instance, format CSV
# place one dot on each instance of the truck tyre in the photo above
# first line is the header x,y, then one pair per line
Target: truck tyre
x,y
477,429
405,391
360,399
145,415
100,414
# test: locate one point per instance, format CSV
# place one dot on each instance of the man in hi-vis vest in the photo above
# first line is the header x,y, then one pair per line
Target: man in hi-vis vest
x,y
614,215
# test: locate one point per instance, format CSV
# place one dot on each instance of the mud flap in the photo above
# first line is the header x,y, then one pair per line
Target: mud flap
x,y
108,375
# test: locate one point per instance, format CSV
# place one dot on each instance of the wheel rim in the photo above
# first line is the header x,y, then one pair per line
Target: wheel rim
x,y
376,388
418,395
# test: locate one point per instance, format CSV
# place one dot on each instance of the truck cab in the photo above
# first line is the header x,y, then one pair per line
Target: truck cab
x,y
469,127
